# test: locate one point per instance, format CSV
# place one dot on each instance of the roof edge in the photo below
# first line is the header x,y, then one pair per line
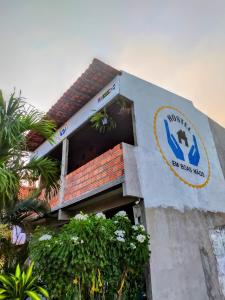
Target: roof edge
x,y
92,80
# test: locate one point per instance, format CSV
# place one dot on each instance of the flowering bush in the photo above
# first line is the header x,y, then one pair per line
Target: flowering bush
x,y
92,257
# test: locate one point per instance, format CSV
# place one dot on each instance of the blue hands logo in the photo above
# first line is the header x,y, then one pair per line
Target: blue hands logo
x,y
193,155
173,143
181,147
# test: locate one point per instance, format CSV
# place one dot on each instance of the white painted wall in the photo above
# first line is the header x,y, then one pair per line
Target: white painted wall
x,y
159,186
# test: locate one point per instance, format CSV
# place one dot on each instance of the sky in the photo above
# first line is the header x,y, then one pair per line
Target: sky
x,y
179,45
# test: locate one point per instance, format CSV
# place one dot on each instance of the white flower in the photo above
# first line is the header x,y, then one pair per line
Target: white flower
x,y
133,246
135,227
120,239
75,239
100,215
141,238
45,237
121,213
81,217
142,227
119,233
116,222
81,242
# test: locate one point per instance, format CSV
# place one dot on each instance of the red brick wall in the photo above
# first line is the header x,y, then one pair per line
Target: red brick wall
x,y
54,201
99,171
25,191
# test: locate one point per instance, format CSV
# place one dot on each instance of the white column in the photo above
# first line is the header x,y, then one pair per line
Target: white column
x,y
64,167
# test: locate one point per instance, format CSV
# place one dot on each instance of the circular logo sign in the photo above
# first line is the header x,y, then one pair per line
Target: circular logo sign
x,y
181,147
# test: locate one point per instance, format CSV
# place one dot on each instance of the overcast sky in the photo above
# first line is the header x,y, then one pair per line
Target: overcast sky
x,y
179,45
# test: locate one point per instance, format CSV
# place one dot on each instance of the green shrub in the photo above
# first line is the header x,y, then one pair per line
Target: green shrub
x,y
92,258
21,285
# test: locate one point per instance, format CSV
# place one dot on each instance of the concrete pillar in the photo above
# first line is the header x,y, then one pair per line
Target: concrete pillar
x,y
64,167
183,265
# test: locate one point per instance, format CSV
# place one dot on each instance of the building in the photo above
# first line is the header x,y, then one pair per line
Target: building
x,y
164,163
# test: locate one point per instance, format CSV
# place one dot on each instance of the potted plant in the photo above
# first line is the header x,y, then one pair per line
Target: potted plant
x,y
102,121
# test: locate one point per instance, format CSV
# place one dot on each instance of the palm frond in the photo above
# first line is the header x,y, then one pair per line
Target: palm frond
x,y
25,208
47,170
2,102
9,185
40,124
17,118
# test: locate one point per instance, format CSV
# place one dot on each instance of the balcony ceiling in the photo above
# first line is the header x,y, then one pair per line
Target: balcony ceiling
x,y
95,78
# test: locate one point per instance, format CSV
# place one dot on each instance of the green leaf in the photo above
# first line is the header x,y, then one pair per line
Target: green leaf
x,y
29,272
2,291
31,282
23,278
4,279
43,291
1,100
18,271
17,118
33,295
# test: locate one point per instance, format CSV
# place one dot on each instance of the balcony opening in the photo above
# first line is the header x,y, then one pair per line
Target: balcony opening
x,y
87,143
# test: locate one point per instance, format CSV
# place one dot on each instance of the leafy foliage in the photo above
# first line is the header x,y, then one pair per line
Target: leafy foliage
x,y
21,285
92,258
20,210
102,121
5,245
17,118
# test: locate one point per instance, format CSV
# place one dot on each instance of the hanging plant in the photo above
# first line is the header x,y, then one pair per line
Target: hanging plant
x,y
102,121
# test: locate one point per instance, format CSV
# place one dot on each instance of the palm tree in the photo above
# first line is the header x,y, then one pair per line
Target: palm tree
x,y
17,170
17,118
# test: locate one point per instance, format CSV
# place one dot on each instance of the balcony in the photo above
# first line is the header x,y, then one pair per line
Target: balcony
x,y
97,165
98,174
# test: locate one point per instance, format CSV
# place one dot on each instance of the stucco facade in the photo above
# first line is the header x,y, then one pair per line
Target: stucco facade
x,y
180,211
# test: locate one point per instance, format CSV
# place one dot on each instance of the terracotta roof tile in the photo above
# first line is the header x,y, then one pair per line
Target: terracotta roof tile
x,y
85,87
